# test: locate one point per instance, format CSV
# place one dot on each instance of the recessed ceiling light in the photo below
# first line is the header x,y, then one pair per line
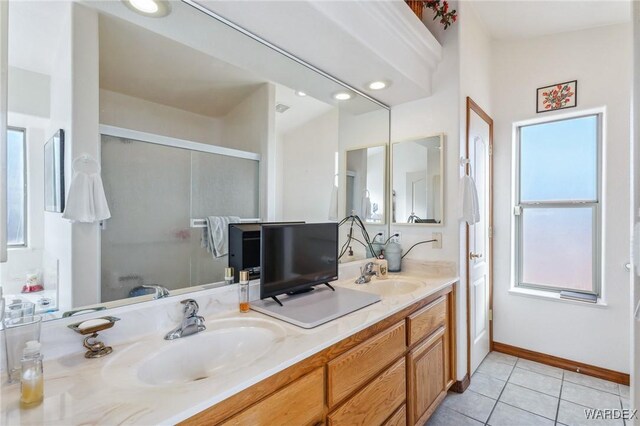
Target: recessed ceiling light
x,y
377,85
300,93
151,8
342,96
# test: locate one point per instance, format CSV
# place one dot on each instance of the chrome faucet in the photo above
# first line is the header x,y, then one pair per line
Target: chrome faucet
x,y
192,323
159,290
366,272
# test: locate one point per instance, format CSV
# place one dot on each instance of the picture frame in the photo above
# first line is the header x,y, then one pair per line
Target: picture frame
x,y
54,193
557,96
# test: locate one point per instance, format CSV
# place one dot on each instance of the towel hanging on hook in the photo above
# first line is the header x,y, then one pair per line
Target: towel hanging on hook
x,y
86,201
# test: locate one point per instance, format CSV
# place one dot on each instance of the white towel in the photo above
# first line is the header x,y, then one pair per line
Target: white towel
x,y
469,205
366,205
215,235
333,204
86,201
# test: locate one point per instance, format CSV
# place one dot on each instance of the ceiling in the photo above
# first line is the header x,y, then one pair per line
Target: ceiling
x,y
524,19
160,70
302,109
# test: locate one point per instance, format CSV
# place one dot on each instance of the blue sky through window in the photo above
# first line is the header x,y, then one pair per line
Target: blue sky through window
x,y
558,160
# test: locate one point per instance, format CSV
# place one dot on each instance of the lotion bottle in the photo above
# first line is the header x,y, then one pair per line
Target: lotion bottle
x,y
243,291
32,378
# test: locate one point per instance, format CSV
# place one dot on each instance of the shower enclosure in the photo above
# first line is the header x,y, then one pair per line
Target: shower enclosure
x,y
155,190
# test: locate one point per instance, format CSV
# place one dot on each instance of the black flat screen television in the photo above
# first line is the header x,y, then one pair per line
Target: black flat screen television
x,y
295,257
244,248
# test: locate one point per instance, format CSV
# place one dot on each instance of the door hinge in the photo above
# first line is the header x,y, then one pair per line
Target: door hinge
x,y
491,232
517,210
490,150
490,314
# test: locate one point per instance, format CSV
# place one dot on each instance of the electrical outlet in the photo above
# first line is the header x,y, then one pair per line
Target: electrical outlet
x,y
380,238
396,237
436,236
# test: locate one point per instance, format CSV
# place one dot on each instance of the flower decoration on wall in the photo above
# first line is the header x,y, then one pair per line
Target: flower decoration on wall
x,y
557,96
440,8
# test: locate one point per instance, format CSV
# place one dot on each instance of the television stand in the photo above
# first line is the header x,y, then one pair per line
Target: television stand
x,y
330,286
317,307
302,291
276,299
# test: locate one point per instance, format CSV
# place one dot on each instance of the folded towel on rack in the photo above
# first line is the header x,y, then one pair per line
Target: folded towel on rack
x,y
86,201
215,234
469,205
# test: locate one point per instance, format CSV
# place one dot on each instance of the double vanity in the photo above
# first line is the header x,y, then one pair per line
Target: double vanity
x,y
389,363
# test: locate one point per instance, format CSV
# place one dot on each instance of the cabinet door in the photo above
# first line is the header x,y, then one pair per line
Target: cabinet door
x,y
426,376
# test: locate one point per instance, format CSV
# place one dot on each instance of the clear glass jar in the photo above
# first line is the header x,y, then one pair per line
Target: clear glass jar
x,y
32,377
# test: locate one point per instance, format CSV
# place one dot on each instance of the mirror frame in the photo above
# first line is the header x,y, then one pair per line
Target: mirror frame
x,y
386,178
442,137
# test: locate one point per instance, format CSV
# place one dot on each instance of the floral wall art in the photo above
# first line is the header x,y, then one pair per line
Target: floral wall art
x,y
557,96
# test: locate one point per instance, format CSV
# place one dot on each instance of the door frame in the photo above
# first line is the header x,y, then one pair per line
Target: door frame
x,y
472,106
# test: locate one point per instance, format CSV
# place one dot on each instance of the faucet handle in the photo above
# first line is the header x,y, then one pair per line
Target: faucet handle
x,y
190,307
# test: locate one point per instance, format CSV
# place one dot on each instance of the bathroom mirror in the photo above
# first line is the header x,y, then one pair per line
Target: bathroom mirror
x,y
417,181
183,118
365,186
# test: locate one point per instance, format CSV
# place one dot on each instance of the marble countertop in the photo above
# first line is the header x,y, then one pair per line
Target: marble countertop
x,y
110,391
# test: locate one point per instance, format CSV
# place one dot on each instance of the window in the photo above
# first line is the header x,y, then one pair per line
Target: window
x,y
558,204
16,188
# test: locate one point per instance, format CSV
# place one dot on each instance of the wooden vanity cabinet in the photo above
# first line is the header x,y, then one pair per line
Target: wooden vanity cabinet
x,y
393,373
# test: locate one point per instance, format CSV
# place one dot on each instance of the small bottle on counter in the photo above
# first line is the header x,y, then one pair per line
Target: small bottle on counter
x,y
243,291
382,269
32,378
228,276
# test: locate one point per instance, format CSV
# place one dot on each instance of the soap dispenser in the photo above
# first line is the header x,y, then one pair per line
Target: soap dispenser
x,y
394,256
32,378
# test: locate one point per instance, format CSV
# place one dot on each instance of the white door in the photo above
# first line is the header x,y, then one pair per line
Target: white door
x,y
635,205
479,253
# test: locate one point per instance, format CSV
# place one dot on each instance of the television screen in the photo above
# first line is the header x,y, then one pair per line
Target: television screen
x,y
297,256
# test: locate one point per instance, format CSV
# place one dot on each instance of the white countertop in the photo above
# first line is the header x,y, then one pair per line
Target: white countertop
x,y
107,390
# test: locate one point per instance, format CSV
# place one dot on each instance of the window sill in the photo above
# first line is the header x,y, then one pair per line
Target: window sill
x,y
548,295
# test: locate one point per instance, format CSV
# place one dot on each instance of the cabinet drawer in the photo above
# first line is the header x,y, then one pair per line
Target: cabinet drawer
x,y
427,320
376,402
299,403
355,367
399,418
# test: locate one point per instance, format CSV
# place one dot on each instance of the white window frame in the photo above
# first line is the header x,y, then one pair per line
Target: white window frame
x,y
519,207
25,189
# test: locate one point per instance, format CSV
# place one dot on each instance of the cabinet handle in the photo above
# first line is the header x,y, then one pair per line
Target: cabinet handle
x,y
473,255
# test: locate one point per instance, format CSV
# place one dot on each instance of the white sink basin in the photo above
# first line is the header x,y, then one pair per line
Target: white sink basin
x,y
226,346
391,287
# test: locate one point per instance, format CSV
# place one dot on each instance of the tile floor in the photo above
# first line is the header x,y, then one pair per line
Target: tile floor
x,y
508,391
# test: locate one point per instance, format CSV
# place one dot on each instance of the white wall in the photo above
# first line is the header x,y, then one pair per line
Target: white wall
x,y
600,59
308,172
635,210
57,230
128,112
439,113
30,92
250,126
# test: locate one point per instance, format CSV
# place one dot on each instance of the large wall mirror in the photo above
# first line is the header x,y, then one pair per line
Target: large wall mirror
x,y
417,181
184,118
366,181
